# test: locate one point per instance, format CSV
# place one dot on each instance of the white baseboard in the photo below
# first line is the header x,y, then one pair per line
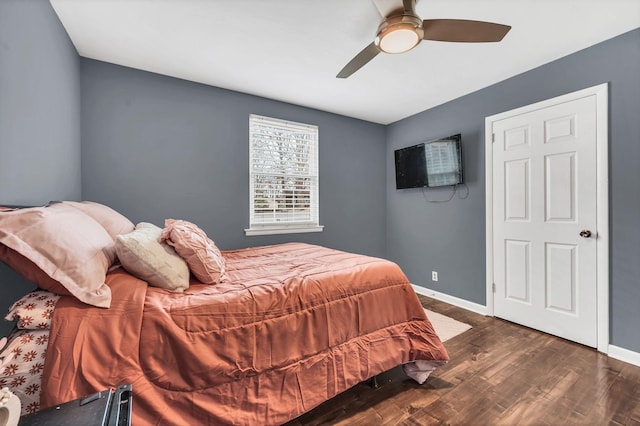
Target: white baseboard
x,y
623,354
452,300
616,352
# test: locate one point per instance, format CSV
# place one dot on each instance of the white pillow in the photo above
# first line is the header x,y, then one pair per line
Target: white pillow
x,y
143,255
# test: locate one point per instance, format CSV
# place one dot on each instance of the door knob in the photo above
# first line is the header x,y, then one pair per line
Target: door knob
x,y
585,233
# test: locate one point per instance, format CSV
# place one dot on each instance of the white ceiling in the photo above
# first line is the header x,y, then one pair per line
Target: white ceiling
x,y
291,50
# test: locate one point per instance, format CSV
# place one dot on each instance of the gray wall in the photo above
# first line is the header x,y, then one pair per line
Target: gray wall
x,y
450,237
155,147
39,106
132,121
39,117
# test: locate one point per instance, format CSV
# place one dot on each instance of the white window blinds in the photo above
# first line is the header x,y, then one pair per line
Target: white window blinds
x,y
283,176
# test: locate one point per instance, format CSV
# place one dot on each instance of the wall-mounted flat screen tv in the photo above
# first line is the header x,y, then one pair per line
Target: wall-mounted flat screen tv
x,y
430,164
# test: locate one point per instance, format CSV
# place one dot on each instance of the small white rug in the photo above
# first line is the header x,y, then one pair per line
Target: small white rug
x,y
446,327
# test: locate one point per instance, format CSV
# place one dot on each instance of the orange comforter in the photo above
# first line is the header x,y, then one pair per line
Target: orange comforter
x,y
293,326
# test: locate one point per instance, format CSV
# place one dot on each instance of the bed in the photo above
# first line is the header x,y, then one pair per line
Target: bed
x,y
286,328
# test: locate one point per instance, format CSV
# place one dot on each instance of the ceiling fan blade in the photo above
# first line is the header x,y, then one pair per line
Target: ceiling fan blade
x,y
464,31
365,55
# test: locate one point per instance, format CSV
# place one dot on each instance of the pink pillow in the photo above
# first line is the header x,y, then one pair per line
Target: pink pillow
x,y
60,249
112,221
192,244
30,271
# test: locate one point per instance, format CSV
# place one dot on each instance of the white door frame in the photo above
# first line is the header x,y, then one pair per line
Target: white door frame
x,y
602,199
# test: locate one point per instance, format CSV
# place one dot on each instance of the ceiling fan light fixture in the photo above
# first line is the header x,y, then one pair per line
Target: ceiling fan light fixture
x,y
403,30
399,34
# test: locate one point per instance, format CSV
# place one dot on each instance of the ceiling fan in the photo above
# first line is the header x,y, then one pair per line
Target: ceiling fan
x,y
403,29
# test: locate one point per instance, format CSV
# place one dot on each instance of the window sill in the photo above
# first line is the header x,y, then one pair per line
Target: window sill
x,y
284,230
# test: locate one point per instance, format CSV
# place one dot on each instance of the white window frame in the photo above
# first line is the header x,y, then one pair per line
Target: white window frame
x,y
286,222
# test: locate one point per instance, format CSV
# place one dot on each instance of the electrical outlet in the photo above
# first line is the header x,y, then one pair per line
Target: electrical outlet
x,y
434,276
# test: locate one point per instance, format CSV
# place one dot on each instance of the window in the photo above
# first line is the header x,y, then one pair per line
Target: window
x,y
283,177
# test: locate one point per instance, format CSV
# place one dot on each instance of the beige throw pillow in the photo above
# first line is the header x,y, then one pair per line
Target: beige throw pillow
x,y
143,255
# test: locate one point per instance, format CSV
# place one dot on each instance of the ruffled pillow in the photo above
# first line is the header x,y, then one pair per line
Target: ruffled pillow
x,y
192,244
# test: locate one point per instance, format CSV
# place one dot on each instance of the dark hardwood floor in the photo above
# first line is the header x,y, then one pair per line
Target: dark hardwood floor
x,y
499,374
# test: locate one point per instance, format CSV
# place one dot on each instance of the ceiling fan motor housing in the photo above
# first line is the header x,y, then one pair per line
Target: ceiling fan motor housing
x,y
399,34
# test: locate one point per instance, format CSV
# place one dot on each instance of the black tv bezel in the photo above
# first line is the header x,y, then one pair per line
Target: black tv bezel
x,y
458,140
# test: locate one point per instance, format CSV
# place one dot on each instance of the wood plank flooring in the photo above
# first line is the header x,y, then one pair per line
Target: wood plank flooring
x,y
499,374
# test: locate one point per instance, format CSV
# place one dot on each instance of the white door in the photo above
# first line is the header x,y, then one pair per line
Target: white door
x,y
544,186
